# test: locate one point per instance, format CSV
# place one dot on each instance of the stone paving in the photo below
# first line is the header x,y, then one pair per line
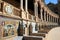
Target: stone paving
x,y
18,38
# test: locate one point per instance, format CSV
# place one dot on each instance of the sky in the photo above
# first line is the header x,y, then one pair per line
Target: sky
x,y
53,1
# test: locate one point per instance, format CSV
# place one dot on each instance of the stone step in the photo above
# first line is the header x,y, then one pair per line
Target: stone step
x,y
38,34
32,38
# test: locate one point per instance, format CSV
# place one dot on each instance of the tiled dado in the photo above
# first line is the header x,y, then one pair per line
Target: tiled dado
x,y
4,23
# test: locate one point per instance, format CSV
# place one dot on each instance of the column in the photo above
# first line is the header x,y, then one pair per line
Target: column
x,y
36,8
57,20
26,8
41,14
21,4
53,19
26,5
45,16
49,18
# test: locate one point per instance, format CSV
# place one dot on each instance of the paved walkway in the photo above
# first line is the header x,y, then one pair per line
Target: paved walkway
x,y
18,38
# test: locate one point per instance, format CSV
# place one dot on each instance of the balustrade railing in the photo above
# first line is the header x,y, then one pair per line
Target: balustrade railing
x,y
17,12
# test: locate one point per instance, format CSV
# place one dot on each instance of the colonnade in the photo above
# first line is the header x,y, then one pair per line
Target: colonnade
x,y
45,17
